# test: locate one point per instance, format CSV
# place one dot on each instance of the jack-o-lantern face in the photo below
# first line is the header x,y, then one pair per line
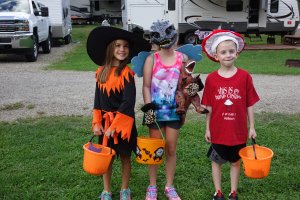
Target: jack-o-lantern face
x,y
158,154
138,152
150,152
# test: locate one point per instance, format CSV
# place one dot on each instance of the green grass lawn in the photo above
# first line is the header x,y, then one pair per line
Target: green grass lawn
x,y
42,159
256,62
268,62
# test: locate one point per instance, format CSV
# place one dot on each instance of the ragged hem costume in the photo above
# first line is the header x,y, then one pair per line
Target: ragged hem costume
x,y
114,107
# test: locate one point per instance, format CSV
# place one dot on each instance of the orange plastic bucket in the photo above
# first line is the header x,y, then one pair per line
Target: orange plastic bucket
x,y
150,150
96,158
256,168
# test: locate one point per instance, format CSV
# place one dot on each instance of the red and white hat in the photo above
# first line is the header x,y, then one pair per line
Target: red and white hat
x,y
210,42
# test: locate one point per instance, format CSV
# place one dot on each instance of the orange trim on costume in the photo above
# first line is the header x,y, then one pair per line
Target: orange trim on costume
x,y
123,125
97,118
109,118
113,82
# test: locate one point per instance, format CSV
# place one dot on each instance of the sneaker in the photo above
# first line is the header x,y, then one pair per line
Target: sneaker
x,y
151,193
218,196
171,193
125,194
105,195
233,196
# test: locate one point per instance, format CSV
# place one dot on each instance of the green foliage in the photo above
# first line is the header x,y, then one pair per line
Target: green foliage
x,y
77,59
255,61
42,159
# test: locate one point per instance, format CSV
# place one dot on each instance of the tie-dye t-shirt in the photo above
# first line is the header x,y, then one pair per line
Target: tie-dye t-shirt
x,y
163,87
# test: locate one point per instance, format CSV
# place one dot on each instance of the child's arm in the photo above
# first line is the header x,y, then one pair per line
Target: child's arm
x,y
252,132
97,116
147,79
208,117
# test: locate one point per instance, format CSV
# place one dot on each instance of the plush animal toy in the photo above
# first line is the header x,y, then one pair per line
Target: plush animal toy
x,y
187,90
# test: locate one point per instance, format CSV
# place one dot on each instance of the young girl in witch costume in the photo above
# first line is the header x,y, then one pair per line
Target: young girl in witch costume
x,y
229,95
113,114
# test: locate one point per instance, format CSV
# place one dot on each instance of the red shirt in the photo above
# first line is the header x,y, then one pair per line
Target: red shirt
x,y
229,99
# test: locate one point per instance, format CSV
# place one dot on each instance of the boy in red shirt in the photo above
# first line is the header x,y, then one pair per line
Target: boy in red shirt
x,y
229,95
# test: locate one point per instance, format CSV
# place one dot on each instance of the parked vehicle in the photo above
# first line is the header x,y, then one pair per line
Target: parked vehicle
x,y
90,12
60,18
81,12
24,26
272,17
107,10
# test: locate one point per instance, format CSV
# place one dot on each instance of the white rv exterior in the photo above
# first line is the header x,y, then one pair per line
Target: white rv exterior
x,y
60,17
244,16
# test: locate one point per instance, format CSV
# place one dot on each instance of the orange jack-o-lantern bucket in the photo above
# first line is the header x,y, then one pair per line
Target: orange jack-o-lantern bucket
x,y
256,160
150,150
96,158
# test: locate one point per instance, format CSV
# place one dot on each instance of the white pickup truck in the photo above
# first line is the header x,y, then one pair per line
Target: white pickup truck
x,y
24,26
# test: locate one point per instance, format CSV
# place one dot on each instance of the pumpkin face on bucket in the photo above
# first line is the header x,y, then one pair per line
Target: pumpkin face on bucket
x,y
150,150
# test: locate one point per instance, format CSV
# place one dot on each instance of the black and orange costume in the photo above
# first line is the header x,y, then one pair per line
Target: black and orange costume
x,y
114,107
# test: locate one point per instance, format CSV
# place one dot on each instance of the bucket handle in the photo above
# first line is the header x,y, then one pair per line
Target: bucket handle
x,y
253,145
161,133
110,142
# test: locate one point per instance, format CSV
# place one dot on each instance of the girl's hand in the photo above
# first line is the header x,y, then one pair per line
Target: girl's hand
x,y
252,133
110,133
98,129
207,136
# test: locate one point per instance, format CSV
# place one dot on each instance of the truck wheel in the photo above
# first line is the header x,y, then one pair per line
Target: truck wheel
x,y
189,38
33,54
67,39
46,45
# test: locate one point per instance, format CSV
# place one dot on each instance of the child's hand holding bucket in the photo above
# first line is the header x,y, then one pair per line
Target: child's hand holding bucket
x,y
110,133
98,129
149,111
252,133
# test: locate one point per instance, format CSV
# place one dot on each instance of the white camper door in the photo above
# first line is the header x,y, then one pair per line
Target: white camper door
x,y
257,13
253,13
171,12
143,13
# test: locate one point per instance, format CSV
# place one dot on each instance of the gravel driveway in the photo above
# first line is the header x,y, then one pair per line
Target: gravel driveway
x,y
40,92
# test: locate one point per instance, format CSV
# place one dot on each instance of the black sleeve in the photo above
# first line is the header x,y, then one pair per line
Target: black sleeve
x,y
97,104
129,98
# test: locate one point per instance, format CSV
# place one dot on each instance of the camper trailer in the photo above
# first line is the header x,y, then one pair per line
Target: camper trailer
x,y
60,18
271,17
107,9
81,12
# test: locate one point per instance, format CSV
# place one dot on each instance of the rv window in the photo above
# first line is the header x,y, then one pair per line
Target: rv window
x,y
234,5
274,6
96,5
171,4
83,9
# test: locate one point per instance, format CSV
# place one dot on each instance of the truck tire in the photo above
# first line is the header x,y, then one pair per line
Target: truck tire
x,y
33,54
46,45
68,39
189,38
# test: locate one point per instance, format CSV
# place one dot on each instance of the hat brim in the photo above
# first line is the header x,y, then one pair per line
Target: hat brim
x,y
100,37
208,41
